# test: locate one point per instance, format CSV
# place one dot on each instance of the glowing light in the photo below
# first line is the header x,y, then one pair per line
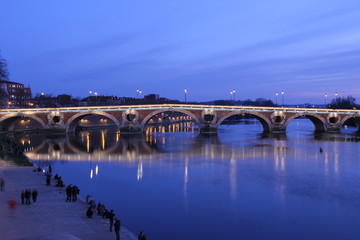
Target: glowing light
x,y
140,171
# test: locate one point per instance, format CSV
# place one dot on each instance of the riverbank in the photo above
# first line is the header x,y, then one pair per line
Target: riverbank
x,y
51,217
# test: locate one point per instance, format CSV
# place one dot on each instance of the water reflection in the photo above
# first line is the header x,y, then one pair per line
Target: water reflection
x,y
214,183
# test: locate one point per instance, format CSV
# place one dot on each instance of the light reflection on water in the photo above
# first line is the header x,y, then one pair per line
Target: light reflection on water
x,y
239,184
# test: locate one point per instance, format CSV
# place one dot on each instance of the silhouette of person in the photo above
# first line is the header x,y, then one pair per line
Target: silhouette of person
x,y
141,236
22,196
111,216
117,226
27,196
2,184
89,213
34,195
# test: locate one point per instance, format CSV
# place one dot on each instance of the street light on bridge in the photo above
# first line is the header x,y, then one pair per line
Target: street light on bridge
x,y
325,98
282,95
138,92
232,93
185,92
276,98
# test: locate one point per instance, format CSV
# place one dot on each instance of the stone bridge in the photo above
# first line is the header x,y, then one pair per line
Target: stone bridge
x,y
133,119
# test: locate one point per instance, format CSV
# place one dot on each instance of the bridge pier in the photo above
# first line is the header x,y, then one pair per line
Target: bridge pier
x,y
130,129
208,129
277,128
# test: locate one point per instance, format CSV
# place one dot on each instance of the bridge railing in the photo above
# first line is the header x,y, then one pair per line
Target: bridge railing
x,y
178,106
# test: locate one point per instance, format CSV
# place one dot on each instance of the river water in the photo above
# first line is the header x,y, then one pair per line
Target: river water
x,y
239,184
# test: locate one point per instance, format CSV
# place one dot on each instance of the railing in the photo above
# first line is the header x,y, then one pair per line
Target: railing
x,y
181,107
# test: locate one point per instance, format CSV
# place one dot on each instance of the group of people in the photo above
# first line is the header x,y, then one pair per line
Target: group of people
x,y
27,194
71,193
103,212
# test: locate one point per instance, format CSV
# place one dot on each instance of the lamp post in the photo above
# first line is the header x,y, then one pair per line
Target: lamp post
x,y
282,95
232,93
276,97
95,93
336,95
325,98
185,92
138,92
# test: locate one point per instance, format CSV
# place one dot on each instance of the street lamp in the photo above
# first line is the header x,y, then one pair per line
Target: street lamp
x,y
90,92
325,98
232,93
276,98
138,92
95,96
185,92
282,95
336,94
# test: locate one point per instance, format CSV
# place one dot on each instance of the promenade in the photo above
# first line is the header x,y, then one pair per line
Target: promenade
x,y
51,217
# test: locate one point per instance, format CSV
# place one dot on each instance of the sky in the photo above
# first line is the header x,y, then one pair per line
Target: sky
x,y
305,48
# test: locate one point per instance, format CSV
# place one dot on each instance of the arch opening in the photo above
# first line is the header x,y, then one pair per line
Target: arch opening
x,y
244,122
246,118
56,119
21,123
305,123
91,121
351,125
170,121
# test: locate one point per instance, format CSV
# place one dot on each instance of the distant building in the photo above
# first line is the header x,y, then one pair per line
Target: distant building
x,y
151,98
17,95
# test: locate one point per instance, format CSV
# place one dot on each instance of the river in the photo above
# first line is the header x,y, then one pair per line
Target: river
x,y
240,184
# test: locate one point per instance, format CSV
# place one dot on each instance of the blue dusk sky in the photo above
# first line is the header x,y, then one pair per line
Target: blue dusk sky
x,y
256,47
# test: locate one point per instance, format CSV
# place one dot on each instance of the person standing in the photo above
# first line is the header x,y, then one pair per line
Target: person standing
x,y
27,196
34,195
22,196
2,184
141,236
117,226
111,217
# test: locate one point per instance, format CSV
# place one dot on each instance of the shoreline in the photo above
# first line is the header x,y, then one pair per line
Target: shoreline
x,y
51,217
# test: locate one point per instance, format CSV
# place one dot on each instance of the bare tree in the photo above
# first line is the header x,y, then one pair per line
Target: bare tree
x,y
4,73
4,76
348,102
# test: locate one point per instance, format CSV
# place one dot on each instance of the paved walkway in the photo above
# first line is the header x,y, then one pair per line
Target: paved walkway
x,y
51,217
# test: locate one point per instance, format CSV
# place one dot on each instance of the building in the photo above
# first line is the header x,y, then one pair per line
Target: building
x,y
15,95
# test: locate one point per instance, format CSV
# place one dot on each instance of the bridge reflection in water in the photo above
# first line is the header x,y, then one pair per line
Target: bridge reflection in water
x,y
109,145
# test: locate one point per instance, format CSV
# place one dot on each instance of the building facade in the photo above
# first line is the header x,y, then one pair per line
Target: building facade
x,y
15,95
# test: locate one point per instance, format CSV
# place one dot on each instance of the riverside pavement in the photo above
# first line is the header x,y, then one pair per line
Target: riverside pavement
x,y
51,217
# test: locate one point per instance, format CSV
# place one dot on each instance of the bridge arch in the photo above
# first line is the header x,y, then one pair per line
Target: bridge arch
x,y
7,121
71,122
150,115
355,117
265,122
318,121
